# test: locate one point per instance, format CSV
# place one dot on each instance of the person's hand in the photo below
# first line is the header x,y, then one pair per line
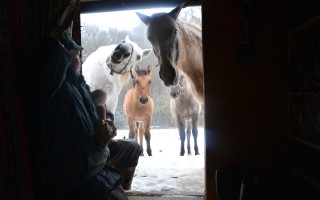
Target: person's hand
x,y
106,130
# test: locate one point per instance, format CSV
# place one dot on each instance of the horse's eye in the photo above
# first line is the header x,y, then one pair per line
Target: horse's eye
x,y
137,82
174,32
155,51
149,81
138,57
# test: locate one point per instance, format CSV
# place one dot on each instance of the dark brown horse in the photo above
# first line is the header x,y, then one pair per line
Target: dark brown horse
x,y
138,108
185,110
178,46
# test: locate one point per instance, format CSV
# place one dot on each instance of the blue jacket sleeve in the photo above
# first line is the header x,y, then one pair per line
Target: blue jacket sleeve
x,y
55,59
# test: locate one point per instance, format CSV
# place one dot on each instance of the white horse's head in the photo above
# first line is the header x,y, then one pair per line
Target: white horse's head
x,y
125,56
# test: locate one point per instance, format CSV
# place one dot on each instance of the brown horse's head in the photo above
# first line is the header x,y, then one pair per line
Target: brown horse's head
x,y
142,82
163,34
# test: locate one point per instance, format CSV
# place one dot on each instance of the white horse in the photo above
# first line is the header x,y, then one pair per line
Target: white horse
x,y
109,68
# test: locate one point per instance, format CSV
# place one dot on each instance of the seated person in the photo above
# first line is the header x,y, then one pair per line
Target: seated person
x,y
79,158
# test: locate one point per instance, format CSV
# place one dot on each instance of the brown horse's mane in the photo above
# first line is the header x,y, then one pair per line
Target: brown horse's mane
x,y
192,34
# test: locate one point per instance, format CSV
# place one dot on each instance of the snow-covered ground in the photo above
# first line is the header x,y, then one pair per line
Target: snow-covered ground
x,y
166,172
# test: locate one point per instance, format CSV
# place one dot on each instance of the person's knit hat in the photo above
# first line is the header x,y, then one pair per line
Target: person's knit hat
x,y
69,43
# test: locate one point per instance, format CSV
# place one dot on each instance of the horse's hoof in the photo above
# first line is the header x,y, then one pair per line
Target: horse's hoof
x,y
197,153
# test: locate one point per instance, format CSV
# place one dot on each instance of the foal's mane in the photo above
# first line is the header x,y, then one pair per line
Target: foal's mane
x,y
142,72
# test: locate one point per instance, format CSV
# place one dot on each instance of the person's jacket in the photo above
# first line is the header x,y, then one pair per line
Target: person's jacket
x,y
67,118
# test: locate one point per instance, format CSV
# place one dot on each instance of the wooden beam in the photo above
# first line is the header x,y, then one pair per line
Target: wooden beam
x,y
112,5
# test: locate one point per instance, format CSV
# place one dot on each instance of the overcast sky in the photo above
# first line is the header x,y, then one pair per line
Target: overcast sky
x,y
120,19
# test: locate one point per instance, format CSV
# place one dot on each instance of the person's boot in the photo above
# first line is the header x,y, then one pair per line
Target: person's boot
x,y
128,176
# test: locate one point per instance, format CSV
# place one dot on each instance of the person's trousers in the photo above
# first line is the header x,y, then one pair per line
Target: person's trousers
x,y
124,155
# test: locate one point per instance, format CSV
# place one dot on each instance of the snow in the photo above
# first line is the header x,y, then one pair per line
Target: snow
x,y
166,172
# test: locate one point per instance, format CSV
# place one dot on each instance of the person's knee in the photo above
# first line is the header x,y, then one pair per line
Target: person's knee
x,y
135,147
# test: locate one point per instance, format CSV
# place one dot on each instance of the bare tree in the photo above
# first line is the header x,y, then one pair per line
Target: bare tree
x,y
191,14
93,37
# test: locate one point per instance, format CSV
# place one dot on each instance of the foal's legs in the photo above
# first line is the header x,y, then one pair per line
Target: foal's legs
x,y
140,128
132,126
147,136
136,133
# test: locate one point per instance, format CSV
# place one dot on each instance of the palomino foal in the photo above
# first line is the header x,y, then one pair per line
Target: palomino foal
x,y
138,108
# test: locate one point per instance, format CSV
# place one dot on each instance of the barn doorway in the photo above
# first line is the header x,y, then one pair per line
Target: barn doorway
x,y
166,173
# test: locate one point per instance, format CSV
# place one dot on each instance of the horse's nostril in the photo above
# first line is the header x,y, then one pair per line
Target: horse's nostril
x,y
116,56
126,55
143,100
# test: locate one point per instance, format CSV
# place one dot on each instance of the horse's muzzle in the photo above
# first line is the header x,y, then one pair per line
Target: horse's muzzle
x,y
143,100
174,94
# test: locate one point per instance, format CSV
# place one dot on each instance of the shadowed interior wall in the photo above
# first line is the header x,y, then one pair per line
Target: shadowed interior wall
x,y
246,104
246,107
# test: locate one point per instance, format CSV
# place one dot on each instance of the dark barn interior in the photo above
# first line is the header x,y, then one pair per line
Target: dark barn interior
x,y
260,57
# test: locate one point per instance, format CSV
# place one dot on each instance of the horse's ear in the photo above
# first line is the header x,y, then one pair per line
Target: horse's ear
x,y
175,12
145,53
149,69
137,70
127,39
144,18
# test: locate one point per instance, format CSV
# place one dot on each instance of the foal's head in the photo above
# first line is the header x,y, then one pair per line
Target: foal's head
x,y
163,34
142,83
